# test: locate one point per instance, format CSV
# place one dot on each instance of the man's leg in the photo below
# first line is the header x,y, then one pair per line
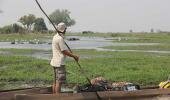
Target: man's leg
x,y
57,87
60,77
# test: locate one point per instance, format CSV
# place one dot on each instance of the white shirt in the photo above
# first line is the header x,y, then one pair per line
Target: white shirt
x,y
58,45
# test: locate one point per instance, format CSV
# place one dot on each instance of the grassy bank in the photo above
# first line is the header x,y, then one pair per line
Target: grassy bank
x,y
160,47
131,37
141,68
21,37
41,37
125,37
138,67
20,51
23,69
144,37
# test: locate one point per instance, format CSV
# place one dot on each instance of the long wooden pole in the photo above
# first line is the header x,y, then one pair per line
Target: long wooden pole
x,y
66,45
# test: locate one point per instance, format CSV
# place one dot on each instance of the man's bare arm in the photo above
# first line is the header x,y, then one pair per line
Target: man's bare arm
x,y
67,53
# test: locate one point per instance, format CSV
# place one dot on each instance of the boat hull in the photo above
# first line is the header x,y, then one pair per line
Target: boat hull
x,y
46,94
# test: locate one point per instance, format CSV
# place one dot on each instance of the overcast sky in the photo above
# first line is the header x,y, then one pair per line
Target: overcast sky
x,y
96,15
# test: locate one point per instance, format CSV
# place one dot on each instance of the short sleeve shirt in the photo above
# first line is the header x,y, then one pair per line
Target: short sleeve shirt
x,y
58,45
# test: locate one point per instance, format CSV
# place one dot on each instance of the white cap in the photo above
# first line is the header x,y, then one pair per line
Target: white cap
x,y
61,27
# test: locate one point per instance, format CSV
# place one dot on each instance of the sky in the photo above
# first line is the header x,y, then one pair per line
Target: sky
x,y
96,15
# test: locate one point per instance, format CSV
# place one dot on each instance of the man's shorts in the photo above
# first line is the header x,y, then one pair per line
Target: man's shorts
x,y
60,74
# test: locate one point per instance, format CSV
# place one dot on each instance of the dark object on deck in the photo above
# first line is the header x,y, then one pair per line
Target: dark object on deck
x,y
89,88
125,86
101,84
105,87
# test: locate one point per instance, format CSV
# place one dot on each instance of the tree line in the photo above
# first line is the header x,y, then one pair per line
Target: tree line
x,y
30,23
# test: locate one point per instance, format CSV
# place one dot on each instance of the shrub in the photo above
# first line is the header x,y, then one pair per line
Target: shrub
x,y
14,28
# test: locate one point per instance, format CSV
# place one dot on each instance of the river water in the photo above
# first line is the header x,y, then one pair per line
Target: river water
x,y
83,43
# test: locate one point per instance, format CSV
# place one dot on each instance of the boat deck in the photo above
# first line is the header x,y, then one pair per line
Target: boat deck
x,y
46,94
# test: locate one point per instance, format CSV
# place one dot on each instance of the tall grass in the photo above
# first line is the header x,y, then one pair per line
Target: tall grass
x,y
141,68
28,36
137,67
19,68
160,47
145,37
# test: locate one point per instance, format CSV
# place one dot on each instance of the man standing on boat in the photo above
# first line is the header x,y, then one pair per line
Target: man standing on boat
x,y
60,51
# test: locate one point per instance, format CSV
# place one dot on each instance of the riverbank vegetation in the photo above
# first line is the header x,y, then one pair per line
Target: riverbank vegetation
x,y
136,67
18,69
116,37
24,37
156,47
143,37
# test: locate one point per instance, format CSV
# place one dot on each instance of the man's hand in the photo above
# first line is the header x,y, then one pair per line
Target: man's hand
x,y
65,52
76,57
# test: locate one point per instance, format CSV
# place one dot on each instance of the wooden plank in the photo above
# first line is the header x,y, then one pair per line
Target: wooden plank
x,y
149,87
10,94
118,95
135,94
69,96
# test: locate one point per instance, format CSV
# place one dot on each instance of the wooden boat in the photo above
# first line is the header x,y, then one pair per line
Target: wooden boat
x,y
46,94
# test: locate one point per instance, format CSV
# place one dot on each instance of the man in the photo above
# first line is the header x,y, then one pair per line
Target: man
x,y
60,51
